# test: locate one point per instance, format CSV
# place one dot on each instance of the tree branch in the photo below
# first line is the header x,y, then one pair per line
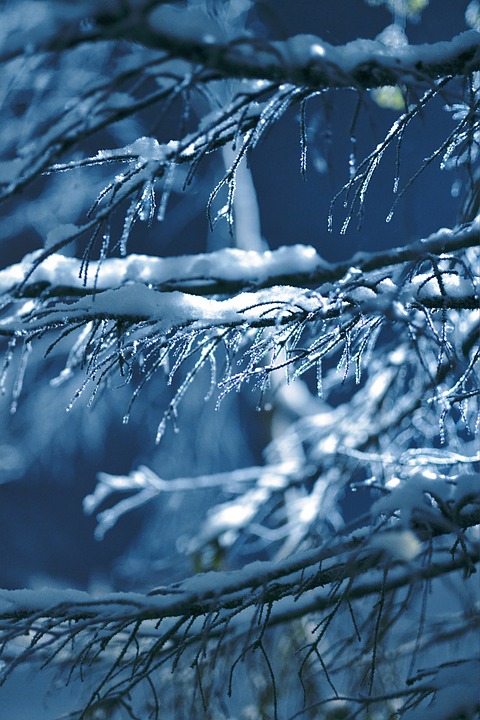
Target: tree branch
x,y
260,582
305,60
309,61
225,272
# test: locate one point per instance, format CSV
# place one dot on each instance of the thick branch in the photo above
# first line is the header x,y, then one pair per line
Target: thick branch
x,y
213,591
306,59
225,272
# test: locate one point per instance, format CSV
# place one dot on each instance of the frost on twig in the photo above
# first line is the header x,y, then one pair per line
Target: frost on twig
x,y
139,322
136,636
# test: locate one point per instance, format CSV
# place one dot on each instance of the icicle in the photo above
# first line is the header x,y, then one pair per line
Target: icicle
x,y
182,353
303,140
273,111
330,221
167,188
352,165
441,428
127,226
366,182
345,358
77,395
352,162
18,385
263,384
319,378
346,223
161,430
358,370
458,139
146,211
213,377
396,179
77,352
6,363
103,255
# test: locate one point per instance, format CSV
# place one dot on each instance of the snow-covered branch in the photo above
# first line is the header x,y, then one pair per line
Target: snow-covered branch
x,y
59,625
294,328
204,593
276,306
305,60
309,61
365,505
225,271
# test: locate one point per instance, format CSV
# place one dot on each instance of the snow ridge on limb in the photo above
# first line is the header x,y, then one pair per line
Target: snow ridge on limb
x,y
68,626
224,271
228,266
305,60
394,419
309,61
204,592
288,327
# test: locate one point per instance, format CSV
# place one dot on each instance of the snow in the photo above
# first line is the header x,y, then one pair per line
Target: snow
x,y
15,601
472,15
233,265
147,485
400,545
362,294
143,148
454,285
389,52
127,287
393,36
168,310
175,309
171,28
229,264
179,598
409,495
173,600
227,518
